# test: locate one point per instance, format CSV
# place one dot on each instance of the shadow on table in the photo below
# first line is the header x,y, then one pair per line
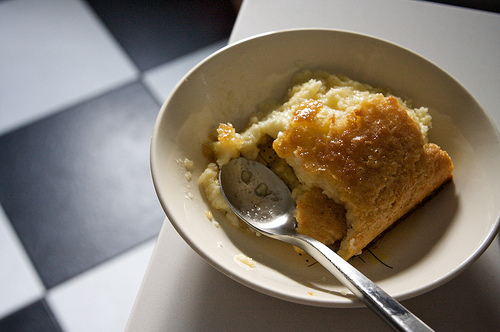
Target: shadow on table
x,y
223,304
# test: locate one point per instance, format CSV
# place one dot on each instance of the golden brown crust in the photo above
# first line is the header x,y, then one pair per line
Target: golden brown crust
x,y
320,217
375,162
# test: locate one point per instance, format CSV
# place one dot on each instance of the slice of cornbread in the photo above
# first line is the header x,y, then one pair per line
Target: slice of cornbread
x,y
374,161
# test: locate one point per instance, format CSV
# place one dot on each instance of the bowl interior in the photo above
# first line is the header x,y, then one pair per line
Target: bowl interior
x,y
424,250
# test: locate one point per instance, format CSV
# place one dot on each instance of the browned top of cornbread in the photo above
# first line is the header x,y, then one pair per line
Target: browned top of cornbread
x,y
374,162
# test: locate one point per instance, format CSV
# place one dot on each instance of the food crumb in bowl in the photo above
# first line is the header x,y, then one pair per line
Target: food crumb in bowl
x,y
244,260
345,292
188,164
310,293
188,193
219,244
209,216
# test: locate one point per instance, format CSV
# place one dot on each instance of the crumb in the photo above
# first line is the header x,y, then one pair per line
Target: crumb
x,y
188,164
219,244
187,192
209,215
345,292
245,260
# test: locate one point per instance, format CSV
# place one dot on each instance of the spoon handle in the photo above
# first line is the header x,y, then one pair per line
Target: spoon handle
x,y
390,310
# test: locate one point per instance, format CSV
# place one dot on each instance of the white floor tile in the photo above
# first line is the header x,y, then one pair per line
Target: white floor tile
x,y
162,79
19,282
102,298
54,53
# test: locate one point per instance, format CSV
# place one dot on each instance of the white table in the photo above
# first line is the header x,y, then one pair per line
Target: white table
x,y
181,292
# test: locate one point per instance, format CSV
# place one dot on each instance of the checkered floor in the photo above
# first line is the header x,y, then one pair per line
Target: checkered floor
x,y
81,82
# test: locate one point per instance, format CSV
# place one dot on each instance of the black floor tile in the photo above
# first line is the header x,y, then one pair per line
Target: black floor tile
x,y
77,187
35,317
155,31
490,5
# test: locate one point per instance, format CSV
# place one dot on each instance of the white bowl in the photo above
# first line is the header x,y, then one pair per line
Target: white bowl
x,y
428,248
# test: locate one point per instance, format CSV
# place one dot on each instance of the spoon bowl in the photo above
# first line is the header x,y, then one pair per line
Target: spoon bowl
x,y
264,202
254,194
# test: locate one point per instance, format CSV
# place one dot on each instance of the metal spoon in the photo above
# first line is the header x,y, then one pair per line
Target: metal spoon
x,y
264,202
